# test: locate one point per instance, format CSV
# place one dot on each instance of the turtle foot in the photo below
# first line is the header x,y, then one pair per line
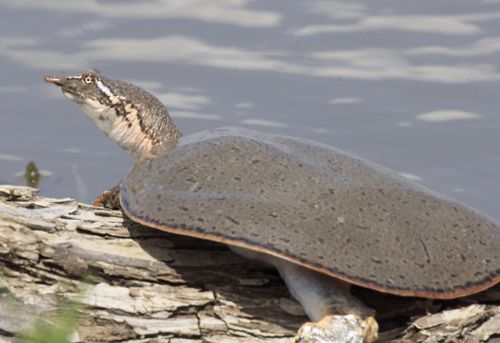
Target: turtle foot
x,y
339,329
109,199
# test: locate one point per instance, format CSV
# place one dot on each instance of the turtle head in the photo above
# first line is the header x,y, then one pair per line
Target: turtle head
x,y
126,113
80,88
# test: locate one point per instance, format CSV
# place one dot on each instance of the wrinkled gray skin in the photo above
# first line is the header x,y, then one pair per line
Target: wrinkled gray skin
x,y
324,218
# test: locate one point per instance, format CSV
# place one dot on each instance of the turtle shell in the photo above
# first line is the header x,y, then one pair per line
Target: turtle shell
x,y
319,207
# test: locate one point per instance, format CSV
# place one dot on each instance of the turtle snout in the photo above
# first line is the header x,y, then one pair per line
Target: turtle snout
x,y
58,81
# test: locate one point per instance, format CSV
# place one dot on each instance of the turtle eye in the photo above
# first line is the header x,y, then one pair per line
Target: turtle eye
x,y
88,79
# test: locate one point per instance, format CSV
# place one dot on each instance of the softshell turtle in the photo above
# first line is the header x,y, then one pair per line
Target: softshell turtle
x,y
325,218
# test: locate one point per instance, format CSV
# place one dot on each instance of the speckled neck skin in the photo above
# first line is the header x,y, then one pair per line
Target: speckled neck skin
x,y
134,119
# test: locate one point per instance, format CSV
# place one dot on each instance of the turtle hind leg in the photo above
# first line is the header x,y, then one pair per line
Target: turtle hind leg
x,y
109,198
339,329
337,315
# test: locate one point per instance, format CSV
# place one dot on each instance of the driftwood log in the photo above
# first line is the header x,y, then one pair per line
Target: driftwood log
x,y
137,284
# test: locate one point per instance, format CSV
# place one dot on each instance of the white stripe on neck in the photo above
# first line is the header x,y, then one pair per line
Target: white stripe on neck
x,y
111,96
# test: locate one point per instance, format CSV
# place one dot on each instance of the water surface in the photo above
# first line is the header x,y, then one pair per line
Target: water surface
x,y
411,85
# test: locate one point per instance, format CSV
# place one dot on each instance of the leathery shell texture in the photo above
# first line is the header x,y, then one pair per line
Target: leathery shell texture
x,y
319,207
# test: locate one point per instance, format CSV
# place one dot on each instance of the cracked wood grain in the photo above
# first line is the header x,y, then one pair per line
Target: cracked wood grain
x,y
143,285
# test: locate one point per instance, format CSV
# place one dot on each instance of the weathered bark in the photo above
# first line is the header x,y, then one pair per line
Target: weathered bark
x,y
143,285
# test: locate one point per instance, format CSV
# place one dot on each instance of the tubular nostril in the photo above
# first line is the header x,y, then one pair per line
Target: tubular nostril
x,y
51,79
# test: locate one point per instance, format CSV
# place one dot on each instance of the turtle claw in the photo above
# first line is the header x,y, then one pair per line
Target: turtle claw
x,y
109,199
339,329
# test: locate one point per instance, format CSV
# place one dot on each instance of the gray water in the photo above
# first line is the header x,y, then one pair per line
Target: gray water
x,y
412,85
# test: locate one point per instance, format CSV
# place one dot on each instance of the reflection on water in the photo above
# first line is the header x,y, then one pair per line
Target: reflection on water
x,y
411,85
447,115
222,11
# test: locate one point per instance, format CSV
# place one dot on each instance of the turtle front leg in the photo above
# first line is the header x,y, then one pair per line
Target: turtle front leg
x,y
337,315
109,199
